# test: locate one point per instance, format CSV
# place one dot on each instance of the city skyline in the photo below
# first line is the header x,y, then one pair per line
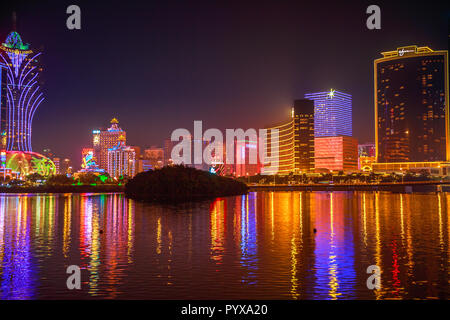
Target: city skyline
x,y
229,151
219,78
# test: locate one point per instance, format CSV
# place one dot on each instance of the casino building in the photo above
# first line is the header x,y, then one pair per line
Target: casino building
x,y
411,110
295,142
332,113
103,140
20,96
335,148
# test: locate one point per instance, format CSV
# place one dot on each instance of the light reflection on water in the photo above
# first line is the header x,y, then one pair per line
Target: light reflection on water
x,y
259,246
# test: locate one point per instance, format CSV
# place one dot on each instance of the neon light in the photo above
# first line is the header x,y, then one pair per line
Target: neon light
x,y
331,94
26,163
332,113
23,93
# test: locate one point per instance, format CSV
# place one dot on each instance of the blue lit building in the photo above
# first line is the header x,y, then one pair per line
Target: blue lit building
x,y
20,92
332,113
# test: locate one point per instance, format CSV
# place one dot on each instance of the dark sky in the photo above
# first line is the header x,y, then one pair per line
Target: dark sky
x,y
160,65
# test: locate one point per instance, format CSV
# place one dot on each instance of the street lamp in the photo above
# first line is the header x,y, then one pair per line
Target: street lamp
x,y
401,169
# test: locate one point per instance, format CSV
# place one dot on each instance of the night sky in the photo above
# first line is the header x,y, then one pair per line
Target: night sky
x,y
160,65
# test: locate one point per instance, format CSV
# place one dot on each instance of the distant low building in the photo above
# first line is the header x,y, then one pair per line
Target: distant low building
x,y
155,157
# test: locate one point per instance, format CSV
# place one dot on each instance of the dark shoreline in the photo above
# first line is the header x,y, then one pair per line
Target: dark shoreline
x,y
64,189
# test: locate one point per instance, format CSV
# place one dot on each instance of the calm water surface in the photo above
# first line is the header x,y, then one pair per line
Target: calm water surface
x,y
260,246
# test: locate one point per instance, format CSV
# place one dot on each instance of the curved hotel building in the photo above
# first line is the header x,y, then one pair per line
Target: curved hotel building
x,y
411,110
295,142
281,162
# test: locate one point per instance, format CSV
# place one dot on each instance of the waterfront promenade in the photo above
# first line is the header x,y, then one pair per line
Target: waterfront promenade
x,y
409,186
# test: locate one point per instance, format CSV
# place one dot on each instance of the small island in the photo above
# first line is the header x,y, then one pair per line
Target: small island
x,y
175,184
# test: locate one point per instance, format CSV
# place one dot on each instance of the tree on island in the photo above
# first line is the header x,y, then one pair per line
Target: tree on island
x,y
181,184
88,178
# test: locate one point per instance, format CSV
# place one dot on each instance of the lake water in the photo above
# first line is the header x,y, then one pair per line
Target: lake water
x,y
259,246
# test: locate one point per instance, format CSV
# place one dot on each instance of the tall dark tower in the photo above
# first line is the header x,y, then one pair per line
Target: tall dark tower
x,y
21,85
304,135
411,109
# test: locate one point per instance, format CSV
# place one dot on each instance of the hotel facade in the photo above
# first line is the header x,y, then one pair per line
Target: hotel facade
x,y
295,142
335,148
103,140
411,110
332,113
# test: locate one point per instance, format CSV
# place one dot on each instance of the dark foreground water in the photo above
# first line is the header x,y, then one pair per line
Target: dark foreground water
x,y
260,246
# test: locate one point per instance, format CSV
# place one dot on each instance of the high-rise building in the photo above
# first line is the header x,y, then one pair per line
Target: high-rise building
x,y
20,78
336,153
66,166
121,160
303,135
295,142
168,146
281,161
20,96
332,113
56,161
103,140
411,109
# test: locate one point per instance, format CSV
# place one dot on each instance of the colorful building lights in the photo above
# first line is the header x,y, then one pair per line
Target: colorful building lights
x,y
102,140
23,94
25,163
121,160
336,154
332,113
411,109
295,140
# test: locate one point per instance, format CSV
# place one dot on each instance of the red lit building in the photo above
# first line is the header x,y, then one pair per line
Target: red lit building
x,y
336,154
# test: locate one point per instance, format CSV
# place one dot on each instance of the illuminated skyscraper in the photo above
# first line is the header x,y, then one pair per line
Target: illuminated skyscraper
x,y
411,109
295,142
304,135
102,140
121,160
22,89
20,96
332,113
283,161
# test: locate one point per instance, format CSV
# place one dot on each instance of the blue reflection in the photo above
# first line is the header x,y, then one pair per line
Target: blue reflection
x,y
334,249
248,237
18,271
